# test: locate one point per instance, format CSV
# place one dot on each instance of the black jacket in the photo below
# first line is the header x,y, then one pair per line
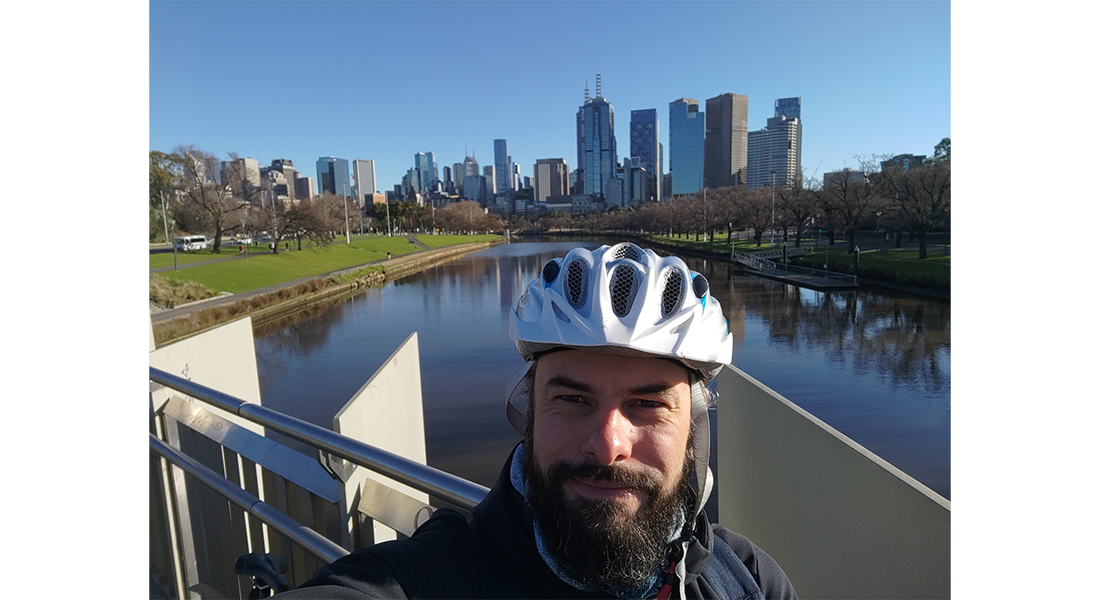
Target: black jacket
x,y
493,555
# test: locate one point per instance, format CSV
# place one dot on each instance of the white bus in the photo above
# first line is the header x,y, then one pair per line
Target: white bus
x,y
191,242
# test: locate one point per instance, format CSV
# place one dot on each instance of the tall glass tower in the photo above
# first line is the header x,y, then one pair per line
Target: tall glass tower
x,y
333,177
686,131
645,138
596,153
503,164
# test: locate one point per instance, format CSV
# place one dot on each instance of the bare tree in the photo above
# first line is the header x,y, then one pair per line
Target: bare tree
x,y
798,208
920,198
219,200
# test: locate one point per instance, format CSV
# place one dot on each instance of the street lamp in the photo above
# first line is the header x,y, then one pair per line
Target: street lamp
x,y
347,230
772,242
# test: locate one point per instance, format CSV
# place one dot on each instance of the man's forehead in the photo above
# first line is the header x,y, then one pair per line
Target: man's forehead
x,y
580,366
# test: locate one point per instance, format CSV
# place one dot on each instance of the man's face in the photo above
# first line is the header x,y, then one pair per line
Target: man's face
x,y
607,462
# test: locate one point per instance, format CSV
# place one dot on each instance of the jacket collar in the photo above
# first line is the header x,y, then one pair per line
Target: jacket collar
x,y
513,539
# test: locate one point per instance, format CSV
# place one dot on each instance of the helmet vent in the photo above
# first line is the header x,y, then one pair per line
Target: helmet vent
x,y
576,283
673,293
624,286
628,251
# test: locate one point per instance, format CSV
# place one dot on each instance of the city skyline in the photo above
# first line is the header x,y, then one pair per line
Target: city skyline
x,y
462,109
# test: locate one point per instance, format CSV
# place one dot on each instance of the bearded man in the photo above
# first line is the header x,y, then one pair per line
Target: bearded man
x,y
604,495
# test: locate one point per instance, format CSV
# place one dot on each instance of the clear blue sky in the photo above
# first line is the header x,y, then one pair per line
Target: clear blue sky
x,y
385,80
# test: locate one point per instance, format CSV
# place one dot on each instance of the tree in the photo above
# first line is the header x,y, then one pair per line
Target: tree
x,y
798,207
219,203
920,197
844,202
162,185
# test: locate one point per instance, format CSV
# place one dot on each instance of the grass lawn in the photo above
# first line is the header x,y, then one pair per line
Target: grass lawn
x,y
264,269
439,241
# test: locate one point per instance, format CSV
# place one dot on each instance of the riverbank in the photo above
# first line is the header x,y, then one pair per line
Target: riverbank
x,y
277,302
896,269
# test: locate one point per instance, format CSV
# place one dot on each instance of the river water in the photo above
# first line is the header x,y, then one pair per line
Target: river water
x,y
875,365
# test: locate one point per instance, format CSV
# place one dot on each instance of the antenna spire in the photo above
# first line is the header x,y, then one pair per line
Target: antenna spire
x,y
587,96
599,86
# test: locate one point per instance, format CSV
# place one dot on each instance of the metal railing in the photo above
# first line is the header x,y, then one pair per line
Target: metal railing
x,y
313,542
442,485
283,501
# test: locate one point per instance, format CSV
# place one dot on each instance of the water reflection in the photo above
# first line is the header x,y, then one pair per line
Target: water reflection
x,y
875,365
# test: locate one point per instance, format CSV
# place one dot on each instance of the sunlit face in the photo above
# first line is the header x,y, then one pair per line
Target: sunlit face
x,y
612,410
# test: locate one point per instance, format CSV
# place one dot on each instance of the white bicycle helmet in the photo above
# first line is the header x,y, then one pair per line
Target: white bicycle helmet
x,y
623,299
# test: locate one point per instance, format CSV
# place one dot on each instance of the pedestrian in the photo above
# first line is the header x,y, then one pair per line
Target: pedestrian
x,y
389,255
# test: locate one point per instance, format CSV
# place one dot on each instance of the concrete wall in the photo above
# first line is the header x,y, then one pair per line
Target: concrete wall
x,y
223,358
388,413
842,522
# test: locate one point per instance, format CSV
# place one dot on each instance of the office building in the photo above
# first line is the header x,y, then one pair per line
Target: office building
x,y
551,178
789,107
303,188
596,152
775,152
365,186
502,165
726,153
686,140
424,164
645,135
903,162
333,176
242,175
284,175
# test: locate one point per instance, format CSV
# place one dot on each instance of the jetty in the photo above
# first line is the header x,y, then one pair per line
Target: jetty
x,y
762,264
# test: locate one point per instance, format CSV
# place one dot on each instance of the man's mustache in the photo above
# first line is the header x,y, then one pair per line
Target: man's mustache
x,y
620,475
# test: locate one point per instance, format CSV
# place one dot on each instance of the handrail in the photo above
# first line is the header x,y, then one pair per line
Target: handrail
x,y
313,542
457,491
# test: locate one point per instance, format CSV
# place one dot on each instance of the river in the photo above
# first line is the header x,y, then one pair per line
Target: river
x,y
874,364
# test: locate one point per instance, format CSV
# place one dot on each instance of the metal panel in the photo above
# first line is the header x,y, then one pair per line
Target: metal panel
x,y
273,456
392,508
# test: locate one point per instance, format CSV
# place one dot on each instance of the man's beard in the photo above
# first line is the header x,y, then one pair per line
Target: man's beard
x,y
599,544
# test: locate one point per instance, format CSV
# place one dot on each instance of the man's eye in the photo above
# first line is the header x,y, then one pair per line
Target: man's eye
x,y
571,399
649,404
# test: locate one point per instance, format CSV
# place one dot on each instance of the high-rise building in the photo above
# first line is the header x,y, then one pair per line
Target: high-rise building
x,y
502,164
789,107
551,178
726,157
596,153
365,186
490,173
777,149
903,161
424,163
332,176
242,175
645,135
686,139
290,174
303,188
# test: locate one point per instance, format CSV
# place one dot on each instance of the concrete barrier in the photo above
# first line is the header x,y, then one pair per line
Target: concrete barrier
x,y
842,522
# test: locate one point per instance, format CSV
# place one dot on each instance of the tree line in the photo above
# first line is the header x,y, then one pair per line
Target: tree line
x,y
916,201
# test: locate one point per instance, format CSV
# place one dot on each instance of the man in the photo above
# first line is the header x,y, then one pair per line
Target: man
x,y
604,495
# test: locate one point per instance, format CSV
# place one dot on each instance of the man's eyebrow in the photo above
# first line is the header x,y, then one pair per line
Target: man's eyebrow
x,y
646,389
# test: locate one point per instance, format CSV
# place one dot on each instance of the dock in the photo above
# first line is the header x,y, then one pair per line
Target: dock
x,y
816,279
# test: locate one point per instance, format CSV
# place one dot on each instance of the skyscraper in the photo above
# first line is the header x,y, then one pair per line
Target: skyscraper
x,y
365,186
551,178
503,166
596,153
686,135
725,159
645,135
424,163
332,176
778,147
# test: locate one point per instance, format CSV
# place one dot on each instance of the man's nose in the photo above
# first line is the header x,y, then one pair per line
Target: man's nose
x,y
609,438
